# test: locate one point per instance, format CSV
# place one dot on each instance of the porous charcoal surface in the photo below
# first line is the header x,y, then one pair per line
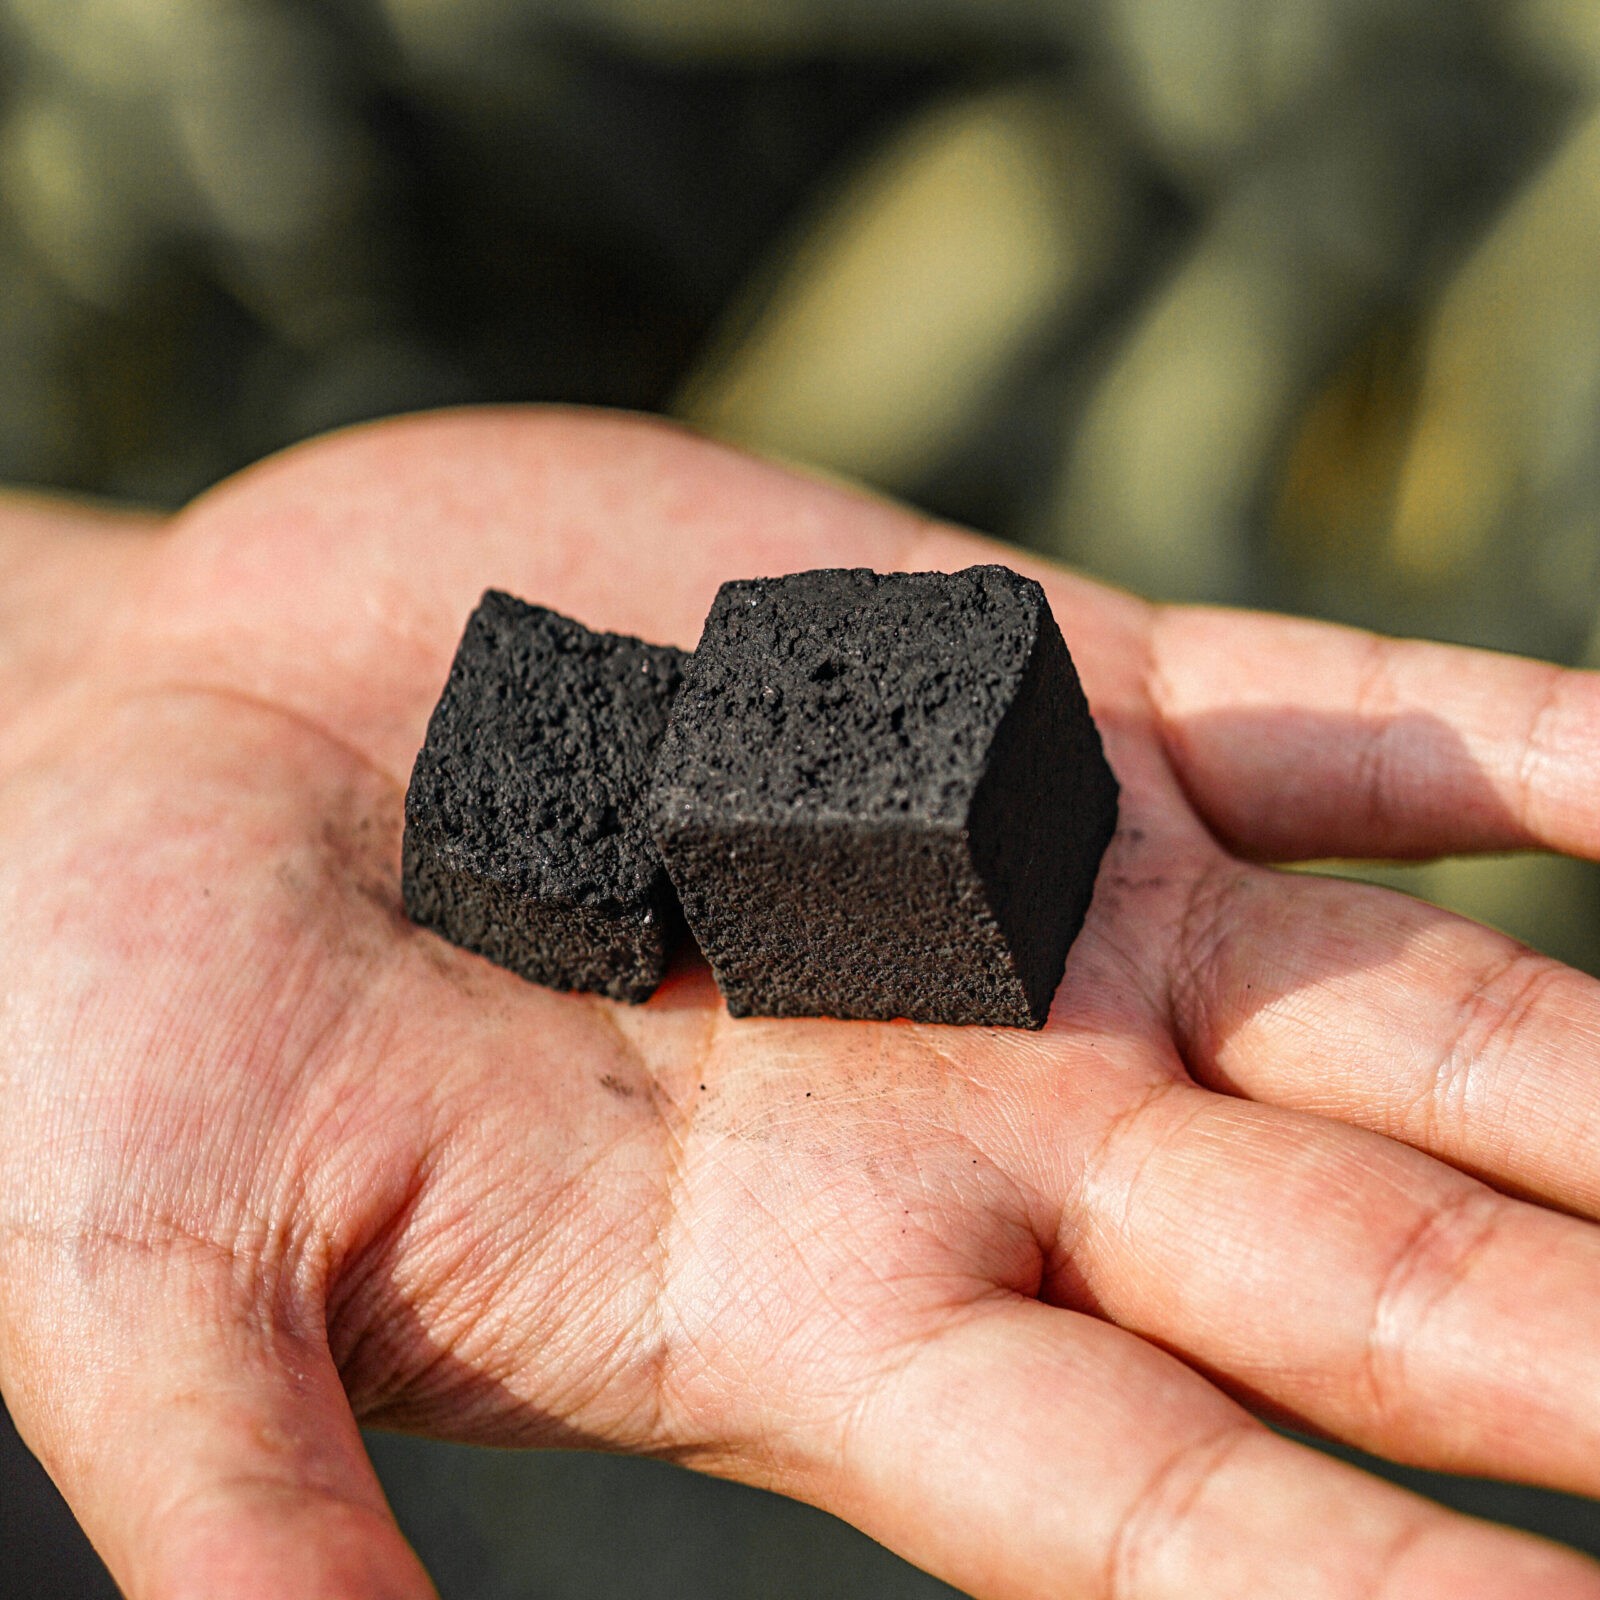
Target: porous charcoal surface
x,y
884,796
526,838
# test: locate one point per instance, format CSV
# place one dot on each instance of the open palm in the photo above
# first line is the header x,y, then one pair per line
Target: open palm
x,y
272,1159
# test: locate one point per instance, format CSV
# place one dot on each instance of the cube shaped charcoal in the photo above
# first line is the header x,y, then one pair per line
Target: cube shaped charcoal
x,y
884,796
526,838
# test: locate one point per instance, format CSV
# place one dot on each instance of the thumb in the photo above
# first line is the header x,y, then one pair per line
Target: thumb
x,y
202,1438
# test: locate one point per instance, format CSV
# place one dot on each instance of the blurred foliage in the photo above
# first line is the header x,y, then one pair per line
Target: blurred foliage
x,y
1292,303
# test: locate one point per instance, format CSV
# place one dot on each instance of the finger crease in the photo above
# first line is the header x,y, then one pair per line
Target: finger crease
x,y
1166,1503
1438,1254
1202,932
1375,702
1536,747
1493,1014
1398,1549
1100,1154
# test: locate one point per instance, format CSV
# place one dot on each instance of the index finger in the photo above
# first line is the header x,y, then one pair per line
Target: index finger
x,y
1297,740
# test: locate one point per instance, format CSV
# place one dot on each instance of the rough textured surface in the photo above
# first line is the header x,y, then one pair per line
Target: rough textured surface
x,y
884,796
525,835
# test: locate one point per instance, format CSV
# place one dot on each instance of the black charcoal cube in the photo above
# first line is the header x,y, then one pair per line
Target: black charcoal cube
x,y
884,796
526,838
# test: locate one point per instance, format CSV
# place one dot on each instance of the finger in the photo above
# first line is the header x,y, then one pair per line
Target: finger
x,y
623,523
1297,740
1364,1005
1028,1452
1346,1282
201,1438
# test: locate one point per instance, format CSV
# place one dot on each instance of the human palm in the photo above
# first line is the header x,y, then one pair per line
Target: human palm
x,y
272,1159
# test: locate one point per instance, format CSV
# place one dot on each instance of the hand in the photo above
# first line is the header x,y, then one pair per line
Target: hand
x,y
272,1159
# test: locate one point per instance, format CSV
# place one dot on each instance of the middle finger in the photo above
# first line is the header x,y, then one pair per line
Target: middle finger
x,y
1364,1005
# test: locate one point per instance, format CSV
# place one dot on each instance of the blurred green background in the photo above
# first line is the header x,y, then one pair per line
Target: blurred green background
x,y
1293,303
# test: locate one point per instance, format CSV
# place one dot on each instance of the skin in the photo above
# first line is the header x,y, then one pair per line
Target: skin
x,y
271,1159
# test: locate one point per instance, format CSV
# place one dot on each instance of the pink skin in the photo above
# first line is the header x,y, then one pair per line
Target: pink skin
x,y
271,1159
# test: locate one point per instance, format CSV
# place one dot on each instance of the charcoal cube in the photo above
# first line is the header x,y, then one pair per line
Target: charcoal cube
x,y
884,796
526,837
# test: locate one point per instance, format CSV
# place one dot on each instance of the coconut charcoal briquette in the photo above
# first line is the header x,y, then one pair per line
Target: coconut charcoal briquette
x,y
884,796
525,834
